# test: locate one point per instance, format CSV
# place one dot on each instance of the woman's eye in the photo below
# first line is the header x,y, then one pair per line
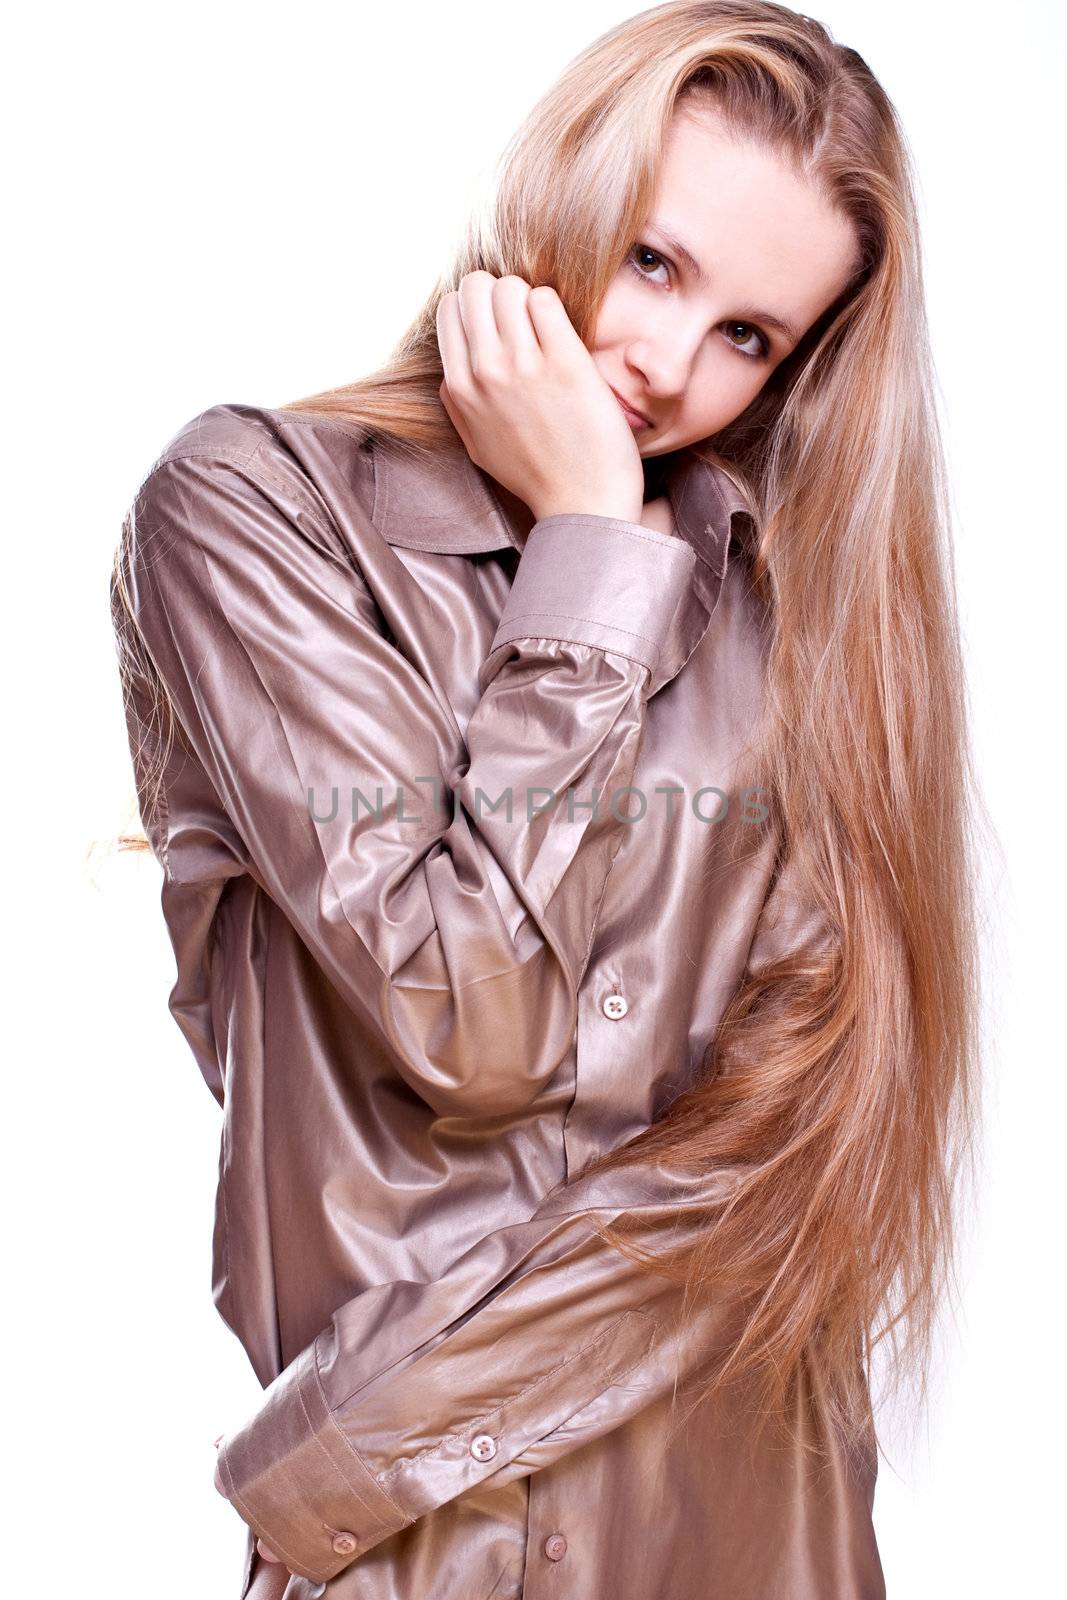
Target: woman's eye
x,y
749,334
638,264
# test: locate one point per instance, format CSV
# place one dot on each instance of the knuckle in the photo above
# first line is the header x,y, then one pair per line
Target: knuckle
x,y
491,374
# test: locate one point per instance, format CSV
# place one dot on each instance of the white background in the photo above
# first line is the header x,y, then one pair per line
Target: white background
x,y
249,203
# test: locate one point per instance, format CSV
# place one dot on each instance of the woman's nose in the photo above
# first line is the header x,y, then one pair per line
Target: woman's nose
x,y
666,366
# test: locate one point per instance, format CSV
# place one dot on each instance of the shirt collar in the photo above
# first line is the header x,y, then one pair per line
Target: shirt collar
x,y
443,502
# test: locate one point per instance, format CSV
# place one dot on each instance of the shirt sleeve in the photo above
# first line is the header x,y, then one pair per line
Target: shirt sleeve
x,y
453,902
541,1338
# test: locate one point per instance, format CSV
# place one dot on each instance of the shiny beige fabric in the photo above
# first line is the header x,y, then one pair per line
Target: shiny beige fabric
x,y
422,1015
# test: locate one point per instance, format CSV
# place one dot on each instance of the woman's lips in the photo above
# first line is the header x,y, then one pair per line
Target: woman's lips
x,y
634,418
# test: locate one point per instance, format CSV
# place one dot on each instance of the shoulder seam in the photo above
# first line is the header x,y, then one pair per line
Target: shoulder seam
x,y
253,462
360,432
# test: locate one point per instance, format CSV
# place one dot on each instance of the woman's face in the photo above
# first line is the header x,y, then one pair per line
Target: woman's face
x,y
690,346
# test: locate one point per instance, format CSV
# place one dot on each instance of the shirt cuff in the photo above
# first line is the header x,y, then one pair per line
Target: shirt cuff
x,y
299,1485
598,581
296,1475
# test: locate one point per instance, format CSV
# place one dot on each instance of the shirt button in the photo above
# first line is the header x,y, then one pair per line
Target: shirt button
x,y
555,1547
483,1447
615,1006
344,1544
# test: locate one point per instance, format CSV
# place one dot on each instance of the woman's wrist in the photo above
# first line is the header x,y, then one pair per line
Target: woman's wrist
x,y
625,510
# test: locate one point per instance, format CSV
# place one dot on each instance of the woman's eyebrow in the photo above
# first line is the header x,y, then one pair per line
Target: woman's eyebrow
x,y
784,327
686,254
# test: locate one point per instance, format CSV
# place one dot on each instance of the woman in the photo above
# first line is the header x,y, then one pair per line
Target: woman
x,y
555,748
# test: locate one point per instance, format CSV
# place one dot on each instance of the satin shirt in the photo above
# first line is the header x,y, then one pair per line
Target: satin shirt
x,y
462,862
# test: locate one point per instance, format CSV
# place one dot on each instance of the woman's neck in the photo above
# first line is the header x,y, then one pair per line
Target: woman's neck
x,y
657,514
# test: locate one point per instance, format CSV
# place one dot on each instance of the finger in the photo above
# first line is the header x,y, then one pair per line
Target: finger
x,y
517,332
475,295
556,333
452,343
266,1552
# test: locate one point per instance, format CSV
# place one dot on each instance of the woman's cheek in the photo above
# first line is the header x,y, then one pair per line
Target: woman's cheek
x,y
622,316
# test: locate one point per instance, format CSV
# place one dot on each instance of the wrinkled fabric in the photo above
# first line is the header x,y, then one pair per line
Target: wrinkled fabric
x,y
462,862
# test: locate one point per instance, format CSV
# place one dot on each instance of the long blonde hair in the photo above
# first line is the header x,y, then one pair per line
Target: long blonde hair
x,y
842,1083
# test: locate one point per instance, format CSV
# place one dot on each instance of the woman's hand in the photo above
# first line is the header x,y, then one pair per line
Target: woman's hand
x,y
264,1549
526,398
